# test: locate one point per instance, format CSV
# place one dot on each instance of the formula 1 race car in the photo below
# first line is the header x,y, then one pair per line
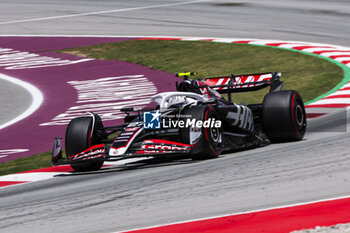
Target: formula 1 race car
x,y
195,121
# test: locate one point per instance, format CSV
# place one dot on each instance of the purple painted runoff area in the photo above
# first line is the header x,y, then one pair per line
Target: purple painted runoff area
x,y
59,95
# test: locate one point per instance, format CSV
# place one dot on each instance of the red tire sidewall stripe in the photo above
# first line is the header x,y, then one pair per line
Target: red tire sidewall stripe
x,y
206,132
89,138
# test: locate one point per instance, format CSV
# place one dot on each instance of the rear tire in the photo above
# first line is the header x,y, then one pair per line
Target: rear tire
x,y
210,142
283,116
78,138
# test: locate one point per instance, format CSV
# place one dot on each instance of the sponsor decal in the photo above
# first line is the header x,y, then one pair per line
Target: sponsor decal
x,y
242,118
114,151
89,154
94,156
117,151
162,146
179,99
239,81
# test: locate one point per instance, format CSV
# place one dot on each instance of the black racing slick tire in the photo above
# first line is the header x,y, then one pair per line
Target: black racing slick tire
x,y
210,142
283,116
78,138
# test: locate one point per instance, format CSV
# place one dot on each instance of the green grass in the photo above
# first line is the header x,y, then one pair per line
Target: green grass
x,y
309,75
25,164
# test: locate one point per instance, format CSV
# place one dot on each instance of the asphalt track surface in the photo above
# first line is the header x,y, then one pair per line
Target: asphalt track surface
x,y
14,100
151,194
313,21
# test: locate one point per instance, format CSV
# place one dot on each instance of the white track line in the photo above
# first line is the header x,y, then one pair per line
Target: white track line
x,y
36,102
30,177
103,12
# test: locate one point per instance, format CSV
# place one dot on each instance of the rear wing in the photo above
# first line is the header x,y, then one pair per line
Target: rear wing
x,y
239,83
234,83
245,82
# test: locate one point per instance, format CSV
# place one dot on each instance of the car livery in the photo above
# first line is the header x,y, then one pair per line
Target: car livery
x,y
195,121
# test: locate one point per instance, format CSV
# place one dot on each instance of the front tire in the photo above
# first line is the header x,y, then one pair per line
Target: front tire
x,y
283,116
78,138
210,142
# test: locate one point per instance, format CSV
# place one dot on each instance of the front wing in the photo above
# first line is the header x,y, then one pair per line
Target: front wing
x,y
148,148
